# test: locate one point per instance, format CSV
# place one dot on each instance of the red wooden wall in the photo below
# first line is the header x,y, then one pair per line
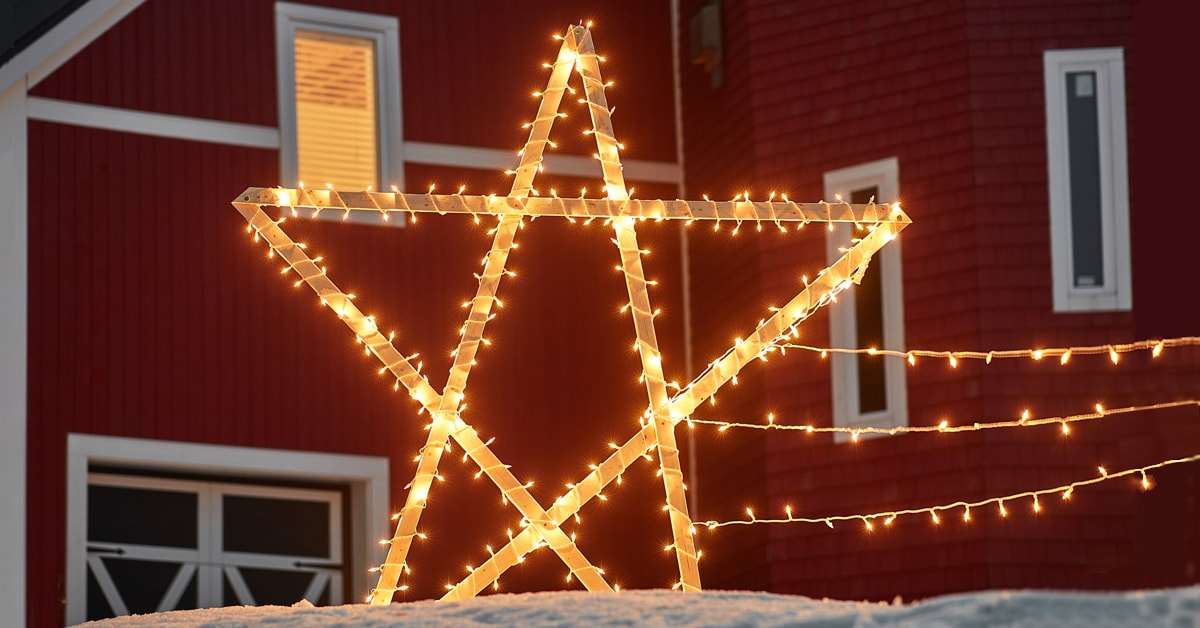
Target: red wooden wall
x,y
725,289
154,315
953,91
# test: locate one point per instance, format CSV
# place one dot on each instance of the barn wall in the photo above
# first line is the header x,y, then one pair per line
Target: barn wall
x,y
726,295
952,90
154,315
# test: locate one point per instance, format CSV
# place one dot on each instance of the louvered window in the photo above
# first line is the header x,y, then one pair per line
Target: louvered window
x,y
339,98
336,118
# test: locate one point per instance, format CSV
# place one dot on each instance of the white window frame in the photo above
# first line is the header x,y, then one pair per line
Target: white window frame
x,y
1109,66
367,477
884,175
207,561
384,30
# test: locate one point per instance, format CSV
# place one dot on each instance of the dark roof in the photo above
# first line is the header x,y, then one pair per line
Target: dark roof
x,y
22,22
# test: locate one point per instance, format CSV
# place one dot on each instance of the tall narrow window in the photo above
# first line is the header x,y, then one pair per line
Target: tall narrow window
x,y
1089,198
339,98
868,390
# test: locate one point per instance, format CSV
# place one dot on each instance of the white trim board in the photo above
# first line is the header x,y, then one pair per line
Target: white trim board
x,y
367,476
255,136
156,124
14,259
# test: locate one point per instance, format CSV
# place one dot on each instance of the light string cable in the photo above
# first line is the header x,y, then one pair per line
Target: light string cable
x,y
1064,354
1025,421
889,516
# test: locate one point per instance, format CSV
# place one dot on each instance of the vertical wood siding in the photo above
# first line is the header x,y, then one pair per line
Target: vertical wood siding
x,y
154,315
954,92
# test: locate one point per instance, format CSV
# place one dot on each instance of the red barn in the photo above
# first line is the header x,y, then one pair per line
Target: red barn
x,y
184,429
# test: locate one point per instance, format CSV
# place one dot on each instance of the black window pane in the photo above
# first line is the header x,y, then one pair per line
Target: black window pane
x,y
228,595
97,604
190,598
142,584
272,586
1083,155
868,327
142,516
276,526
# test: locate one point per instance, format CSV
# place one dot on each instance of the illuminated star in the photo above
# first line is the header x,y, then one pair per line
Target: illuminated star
x,y
577,54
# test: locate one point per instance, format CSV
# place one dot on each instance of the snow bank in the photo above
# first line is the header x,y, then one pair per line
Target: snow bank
x,y
1176,608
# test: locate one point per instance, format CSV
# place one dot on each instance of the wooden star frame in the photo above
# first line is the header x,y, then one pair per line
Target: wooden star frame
x,y
542,526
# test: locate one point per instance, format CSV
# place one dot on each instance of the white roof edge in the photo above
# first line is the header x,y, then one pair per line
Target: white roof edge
x,y
65,40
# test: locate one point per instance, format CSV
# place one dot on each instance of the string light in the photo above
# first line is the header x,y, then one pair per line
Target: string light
x,y
890,515
1064,354
945,426
877,225
385,203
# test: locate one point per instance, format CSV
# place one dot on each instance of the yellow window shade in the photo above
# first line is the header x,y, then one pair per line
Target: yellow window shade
x,y
336,119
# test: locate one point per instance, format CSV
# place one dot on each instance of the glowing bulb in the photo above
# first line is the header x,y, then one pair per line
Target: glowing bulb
x,y
1113,355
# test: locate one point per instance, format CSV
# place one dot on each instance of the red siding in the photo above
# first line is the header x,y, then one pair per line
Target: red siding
x,y
954,92
465,81
154,315
727,298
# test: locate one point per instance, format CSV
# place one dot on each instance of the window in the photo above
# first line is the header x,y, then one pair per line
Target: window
x,y
868,390
155,526
339,98
1089,189
156,544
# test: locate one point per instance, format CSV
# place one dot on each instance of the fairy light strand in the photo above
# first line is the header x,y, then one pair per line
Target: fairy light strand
x,y
1062,354
607,146
889,516
944,427
384,203
542,527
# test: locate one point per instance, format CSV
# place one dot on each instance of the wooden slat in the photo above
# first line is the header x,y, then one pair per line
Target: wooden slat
x,y
732,211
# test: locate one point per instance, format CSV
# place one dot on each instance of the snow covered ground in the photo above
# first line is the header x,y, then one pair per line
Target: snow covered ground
x,y
1174,608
